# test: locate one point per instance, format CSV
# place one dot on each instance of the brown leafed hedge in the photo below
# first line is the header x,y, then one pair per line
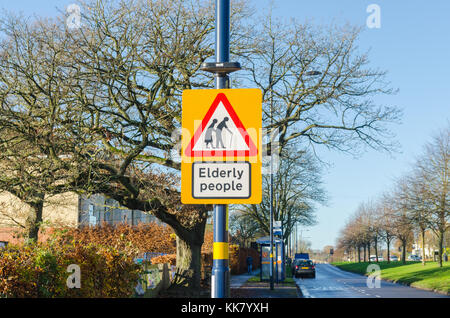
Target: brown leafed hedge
x,y
38,271
151,237
106,257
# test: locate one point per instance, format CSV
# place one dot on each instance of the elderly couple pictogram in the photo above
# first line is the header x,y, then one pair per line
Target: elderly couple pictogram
x,y
219,133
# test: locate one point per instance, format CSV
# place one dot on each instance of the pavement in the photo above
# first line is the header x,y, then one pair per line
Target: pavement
x,y
241,288
236,281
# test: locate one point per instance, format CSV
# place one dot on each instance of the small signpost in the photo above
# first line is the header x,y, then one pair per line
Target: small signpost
x,y
277,230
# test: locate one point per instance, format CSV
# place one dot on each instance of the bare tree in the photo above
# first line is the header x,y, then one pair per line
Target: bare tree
x,y
39,154
296,190
374,226
355,234
384,217
418,202
371,223
433,174
402,223
348,240
243,228
417,206
317,87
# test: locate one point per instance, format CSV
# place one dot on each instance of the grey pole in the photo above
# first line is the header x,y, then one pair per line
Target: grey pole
x,y
271,222
222,40
220,271
220,276
271,190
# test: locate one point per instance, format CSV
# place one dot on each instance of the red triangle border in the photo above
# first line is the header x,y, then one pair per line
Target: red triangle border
x,y
221,97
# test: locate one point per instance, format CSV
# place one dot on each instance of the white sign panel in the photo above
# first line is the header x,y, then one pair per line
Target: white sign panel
x,y
221,180
277,228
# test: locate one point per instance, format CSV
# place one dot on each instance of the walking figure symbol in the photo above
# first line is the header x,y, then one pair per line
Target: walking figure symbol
x,y
219,134
208,135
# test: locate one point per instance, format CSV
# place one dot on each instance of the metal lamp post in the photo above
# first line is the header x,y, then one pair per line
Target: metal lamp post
x,y
271,190
220,275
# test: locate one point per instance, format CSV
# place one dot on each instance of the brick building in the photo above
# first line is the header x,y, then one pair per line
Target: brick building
x,y
68,209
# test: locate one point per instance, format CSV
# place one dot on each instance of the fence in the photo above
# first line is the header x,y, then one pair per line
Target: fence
x,y
157,278
154,279
147,257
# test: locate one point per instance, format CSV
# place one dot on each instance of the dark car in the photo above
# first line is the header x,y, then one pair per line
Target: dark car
x,y
303,267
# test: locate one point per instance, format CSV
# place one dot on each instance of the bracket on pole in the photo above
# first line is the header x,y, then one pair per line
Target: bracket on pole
x,y
221,68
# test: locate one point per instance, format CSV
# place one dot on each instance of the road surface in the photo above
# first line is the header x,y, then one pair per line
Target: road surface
x,y
332,282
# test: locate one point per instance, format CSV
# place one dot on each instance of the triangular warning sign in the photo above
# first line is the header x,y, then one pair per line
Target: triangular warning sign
x,y
221,133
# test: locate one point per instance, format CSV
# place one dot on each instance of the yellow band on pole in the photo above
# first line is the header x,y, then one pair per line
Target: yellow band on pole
x,y
220,250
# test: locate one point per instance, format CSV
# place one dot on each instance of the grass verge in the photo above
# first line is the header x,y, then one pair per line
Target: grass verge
x,y
289,280
414,274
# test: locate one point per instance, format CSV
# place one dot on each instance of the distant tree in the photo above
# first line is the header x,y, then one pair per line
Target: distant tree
x,y
243,228
402,224
418,202
384,217
347,241
370,223
433,176
418,211
353,236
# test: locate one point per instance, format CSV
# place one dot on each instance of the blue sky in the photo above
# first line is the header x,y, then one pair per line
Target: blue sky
x,y
413,44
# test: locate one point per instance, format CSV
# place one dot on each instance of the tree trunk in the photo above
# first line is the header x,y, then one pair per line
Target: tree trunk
x,y
376,249
34,221
404,251
388,243
188,272
423,246
440,246
365,259
359,254
368,250
187,280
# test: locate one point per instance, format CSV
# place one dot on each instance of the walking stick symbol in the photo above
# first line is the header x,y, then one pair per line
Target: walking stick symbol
x,y
231,139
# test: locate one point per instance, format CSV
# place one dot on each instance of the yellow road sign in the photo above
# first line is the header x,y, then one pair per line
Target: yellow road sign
x,y
221,146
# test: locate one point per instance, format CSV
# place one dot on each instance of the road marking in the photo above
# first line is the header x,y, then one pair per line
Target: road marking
x,y
306,293
327,288
304,290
